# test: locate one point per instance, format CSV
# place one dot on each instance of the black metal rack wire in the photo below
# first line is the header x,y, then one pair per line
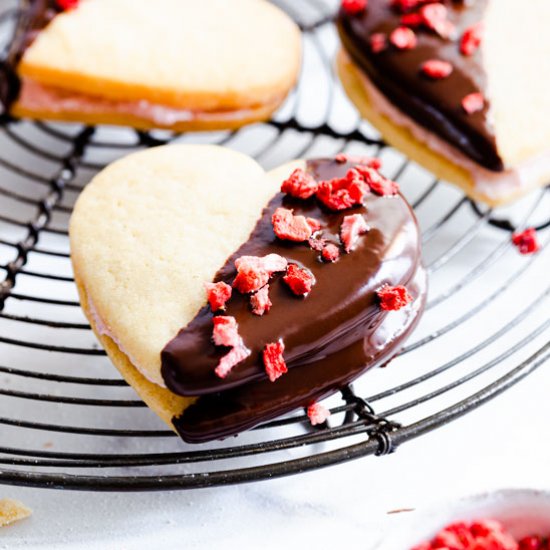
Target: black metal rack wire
x,y
67,420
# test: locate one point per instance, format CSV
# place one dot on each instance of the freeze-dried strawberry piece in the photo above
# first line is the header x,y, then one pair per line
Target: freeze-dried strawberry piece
x,y
260,301
532,542
353,7
436,68
299,280
274,363
299,184
526,241
217,294
316,244
472,103
330,253
405,5
226,331
378,42
342,193
314,224
471,39
393,298
250,279
377,182
403,38
67,4
317,414
352,227
434,16
372,162
289,227
270,263
253,272
411,20
230,359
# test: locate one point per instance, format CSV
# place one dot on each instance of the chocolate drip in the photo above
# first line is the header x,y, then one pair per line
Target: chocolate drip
x,y
330,336
35,15
435,104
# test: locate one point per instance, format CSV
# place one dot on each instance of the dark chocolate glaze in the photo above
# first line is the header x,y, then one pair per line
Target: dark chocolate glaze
x,y
34,16
435,104
331,336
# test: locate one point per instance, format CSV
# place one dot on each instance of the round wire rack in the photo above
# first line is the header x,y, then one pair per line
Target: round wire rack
x,y
68,421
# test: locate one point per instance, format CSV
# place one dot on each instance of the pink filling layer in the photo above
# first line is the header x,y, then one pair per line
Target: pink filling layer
x,y
491,184
38,97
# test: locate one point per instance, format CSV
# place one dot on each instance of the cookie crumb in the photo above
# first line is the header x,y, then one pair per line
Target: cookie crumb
x,y
12,511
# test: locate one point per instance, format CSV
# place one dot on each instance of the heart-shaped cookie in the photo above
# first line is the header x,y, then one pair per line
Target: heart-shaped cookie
x,y
178,64
307,287
458,86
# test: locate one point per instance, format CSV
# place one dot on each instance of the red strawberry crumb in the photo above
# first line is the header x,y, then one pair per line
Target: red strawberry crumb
x,y
250,280
316,244
377,182
532,542
471,39
289,227
260,301
403,38
299,280
353,7
317,414
253,272
411,20
330,253
352,227
67,4
393,298
436,68
217,294
378,42
229,360
274,362
480,535
434,16
300,185
526,241
342,193
314,224
405,5
226,331
472,103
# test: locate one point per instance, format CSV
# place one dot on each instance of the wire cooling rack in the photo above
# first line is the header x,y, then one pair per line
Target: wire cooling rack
x,y
68,421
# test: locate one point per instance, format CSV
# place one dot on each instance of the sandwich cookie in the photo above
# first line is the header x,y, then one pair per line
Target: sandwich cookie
x,y
174,64
227,296
459,87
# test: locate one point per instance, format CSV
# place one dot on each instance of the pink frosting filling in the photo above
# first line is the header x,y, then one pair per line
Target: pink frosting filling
x,y
38,97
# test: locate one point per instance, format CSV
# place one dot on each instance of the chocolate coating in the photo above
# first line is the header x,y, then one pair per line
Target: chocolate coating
x,y
331,336
435,104
35,15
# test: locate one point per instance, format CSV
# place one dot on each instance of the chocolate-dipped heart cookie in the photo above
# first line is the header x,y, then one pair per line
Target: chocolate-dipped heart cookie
x,y
458,86
227,296
177,64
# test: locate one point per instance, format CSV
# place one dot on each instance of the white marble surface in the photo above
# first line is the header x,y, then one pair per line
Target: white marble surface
x,y
493,447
